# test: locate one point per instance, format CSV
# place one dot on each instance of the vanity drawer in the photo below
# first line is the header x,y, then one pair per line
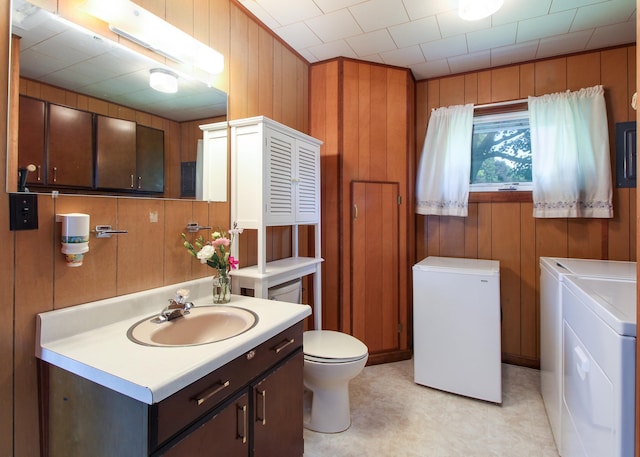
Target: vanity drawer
x,y
176,412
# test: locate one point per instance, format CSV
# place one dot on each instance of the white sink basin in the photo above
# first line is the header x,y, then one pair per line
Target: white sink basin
x,y
203,325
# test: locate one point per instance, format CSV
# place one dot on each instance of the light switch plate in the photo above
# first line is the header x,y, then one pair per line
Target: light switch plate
x,y
23,211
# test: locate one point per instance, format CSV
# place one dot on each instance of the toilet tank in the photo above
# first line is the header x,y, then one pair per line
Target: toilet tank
x,y
289,291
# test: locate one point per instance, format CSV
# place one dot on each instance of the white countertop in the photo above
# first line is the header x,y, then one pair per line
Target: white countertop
x,y
91,341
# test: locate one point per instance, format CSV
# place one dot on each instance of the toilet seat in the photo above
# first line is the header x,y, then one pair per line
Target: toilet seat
x,y
328,346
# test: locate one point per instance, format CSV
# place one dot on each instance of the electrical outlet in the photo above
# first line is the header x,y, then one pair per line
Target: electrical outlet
x,y
23,211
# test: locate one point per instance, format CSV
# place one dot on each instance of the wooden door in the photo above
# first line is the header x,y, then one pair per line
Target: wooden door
x,y
116,153
31,138
70,147
225,434
375,265
277,411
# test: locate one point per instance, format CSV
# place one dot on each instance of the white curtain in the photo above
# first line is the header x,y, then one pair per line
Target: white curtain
x,y
442,185
570,154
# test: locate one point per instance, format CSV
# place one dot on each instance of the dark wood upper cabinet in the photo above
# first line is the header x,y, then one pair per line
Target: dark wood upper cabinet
x,y
115,153
70,147
149,159
31,135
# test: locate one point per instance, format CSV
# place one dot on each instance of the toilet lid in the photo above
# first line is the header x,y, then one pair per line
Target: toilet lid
x,y
327,345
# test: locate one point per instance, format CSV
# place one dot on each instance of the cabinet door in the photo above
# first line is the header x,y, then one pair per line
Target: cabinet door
x,y
149,159
70,147
116,153
277,411
376,294
307,189
224,434
280,150
31,138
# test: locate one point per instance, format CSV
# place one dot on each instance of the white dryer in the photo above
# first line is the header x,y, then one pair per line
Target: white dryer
x,y
553,271
599,339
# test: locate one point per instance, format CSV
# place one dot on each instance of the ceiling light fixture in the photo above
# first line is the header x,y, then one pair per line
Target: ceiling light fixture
x,y
473,10
163,80
146,29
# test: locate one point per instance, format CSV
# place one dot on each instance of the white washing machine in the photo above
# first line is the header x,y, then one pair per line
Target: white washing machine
x,y
599,339
456,326
553,271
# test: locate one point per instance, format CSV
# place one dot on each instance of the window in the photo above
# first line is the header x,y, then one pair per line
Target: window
x,y
501,152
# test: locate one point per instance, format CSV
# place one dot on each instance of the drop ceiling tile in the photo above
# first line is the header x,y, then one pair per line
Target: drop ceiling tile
x,y
515,53
420,8
563,5
603,14
371,43
451,24
287,12
379,14
326,51
262,14
373,58
540,27
613,35
404,57
492,38
416,32
334,26
298,35
518,10
431,69
470,62
564,44
333,5
308,55
441,49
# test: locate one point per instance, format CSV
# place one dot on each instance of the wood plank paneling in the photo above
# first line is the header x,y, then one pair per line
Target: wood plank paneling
x,y
491,221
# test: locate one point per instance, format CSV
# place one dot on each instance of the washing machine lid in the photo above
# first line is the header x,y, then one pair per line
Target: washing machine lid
x,y
459,265
327,345
594,267
612,300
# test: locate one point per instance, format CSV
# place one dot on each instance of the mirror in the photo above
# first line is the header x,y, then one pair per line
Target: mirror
x,y
61,54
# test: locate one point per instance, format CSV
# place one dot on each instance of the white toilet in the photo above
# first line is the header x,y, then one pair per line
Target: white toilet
x,y
331,360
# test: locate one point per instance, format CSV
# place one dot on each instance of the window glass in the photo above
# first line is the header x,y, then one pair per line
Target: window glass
x,y
501,152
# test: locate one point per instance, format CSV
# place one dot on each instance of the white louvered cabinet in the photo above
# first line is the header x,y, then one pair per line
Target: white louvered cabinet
x,y
275,181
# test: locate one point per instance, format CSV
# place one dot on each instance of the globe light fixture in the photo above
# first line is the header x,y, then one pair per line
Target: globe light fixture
x,y
163,80
473,10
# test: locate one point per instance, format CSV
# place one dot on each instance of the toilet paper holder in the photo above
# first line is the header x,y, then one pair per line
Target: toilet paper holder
x,y
105,231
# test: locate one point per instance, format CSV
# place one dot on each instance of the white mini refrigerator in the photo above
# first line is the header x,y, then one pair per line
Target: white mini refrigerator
x,y
456,326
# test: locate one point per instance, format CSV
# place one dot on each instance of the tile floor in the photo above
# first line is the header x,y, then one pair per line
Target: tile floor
x,y
394,417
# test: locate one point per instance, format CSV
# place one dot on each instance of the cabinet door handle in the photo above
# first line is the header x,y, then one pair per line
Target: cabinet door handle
x,y
355,211
283,345
132,184
242,423
210,392
262,418
39,177
139,182
55,174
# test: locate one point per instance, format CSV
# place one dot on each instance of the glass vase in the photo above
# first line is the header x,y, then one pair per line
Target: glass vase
x,y
222,287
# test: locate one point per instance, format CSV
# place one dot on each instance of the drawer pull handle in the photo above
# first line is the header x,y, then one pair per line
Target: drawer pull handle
x,y
262,419
242,427
283,345
210,392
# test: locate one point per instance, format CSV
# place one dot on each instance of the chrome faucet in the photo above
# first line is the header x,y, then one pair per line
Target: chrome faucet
x,y
178,307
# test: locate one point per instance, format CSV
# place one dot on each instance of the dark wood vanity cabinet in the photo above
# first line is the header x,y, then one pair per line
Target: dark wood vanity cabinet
x,y
31,138
63,151
129,156
252,406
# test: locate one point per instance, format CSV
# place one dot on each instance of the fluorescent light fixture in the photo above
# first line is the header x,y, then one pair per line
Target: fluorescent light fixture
x,y
140,26
473,10
163,80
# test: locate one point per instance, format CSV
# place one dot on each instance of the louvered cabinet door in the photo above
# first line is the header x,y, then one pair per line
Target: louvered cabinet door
x,y
279,182
307,182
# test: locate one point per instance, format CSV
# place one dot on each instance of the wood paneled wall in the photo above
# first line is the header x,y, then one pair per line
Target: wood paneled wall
x,y
505,230
262,76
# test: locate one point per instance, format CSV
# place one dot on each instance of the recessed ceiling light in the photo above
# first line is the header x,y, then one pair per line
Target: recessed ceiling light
x,y
163,80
